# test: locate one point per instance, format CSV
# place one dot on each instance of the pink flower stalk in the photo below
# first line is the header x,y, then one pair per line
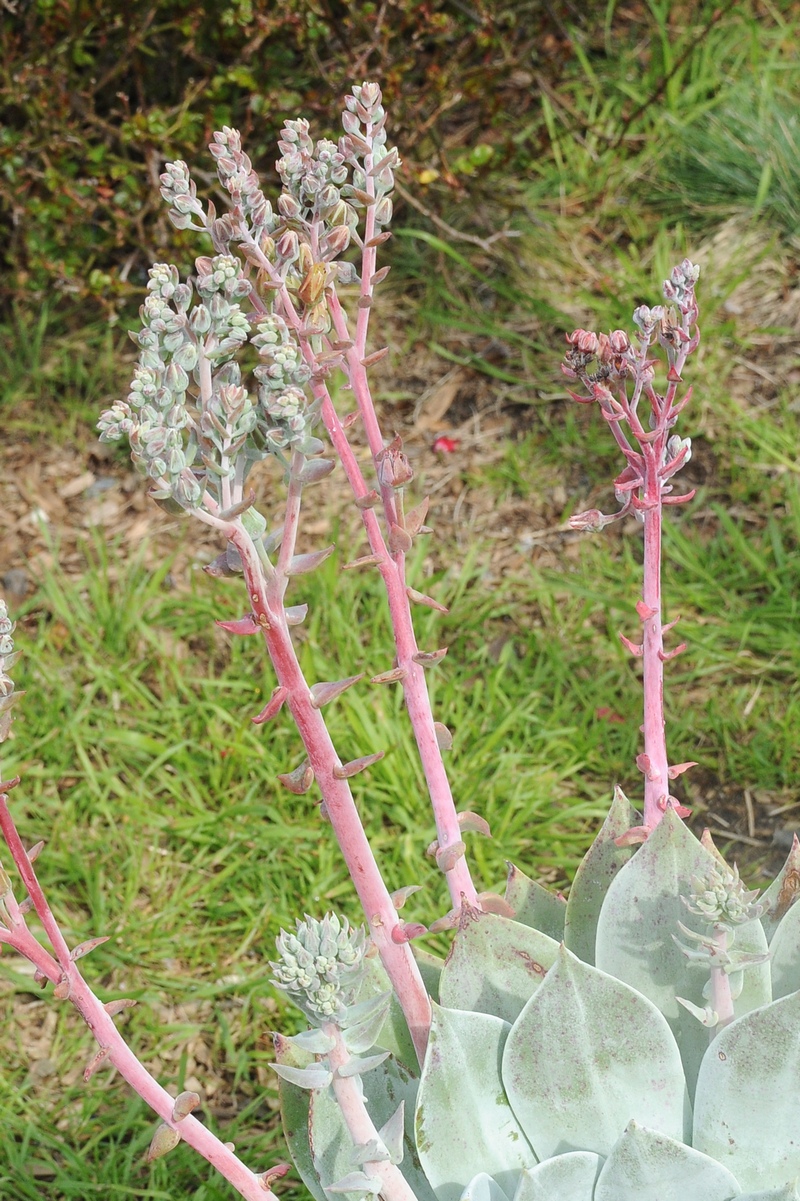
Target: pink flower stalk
x,y
349,352
61,970
266,589
620,377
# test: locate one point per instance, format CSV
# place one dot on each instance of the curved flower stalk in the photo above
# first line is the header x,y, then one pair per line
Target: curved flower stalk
x,y
619,376
329,189
60,968
196,429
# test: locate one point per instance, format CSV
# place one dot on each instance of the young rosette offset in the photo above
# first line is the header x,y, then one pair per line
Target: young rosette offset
x,y
320,966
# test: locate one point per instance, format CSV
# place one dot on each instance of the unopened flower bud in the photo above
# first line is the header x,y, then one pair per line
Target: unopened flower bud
x,y
288,207
619,341
337,240
383,211
394,469
288,246
584,340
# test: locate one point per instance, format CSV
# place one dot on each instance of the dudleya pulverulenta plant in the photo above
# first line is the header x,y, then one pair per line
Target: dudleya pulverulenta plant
x,y
638,1040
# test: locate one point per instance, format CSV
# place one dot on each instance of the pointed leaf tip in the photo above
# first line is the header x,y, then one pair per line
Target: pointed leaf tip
x,y
401,895
245,625
323,693
390,677
85,947
164,1140
635,648
184,1104
447,857
272,707
347,770
95,1063
678,769
430,658
444,738
302,564
419,598
471,821
300,780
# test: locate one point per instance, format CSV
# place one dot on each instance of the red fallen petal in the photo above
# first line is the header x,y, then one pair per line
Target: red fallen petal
x,y
245,625
610,716
445,446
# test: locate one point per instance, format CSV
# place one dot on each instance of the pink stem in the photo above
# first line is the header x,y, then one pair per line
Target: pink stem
x,y
392,569
361,1128
656,780
102,1026
384,924
721,1000
415,686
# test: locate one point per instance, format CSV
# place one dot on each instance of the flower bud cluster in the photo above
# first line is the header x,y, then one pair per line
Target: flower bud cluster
x,y
612,352
236,173
647,319
282,374
218,319
364,124
679,288
155,415
179,191
7,656
312,174
320,966
228,418
722,899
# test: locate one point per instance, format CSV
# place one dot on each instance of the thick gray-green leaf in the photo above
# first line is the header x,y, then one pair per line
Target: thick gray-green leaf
x,y
534,905
756,980
483,1187
648,1166
599,867
782,892
464,1123
586,1055
746,1111
294,1115
785,952
495,966
637,922
569,1177
332,1148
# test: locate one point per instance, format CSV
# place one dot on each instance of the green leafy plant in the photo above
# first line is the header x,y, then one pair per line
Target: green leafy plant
x,y
638,1039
